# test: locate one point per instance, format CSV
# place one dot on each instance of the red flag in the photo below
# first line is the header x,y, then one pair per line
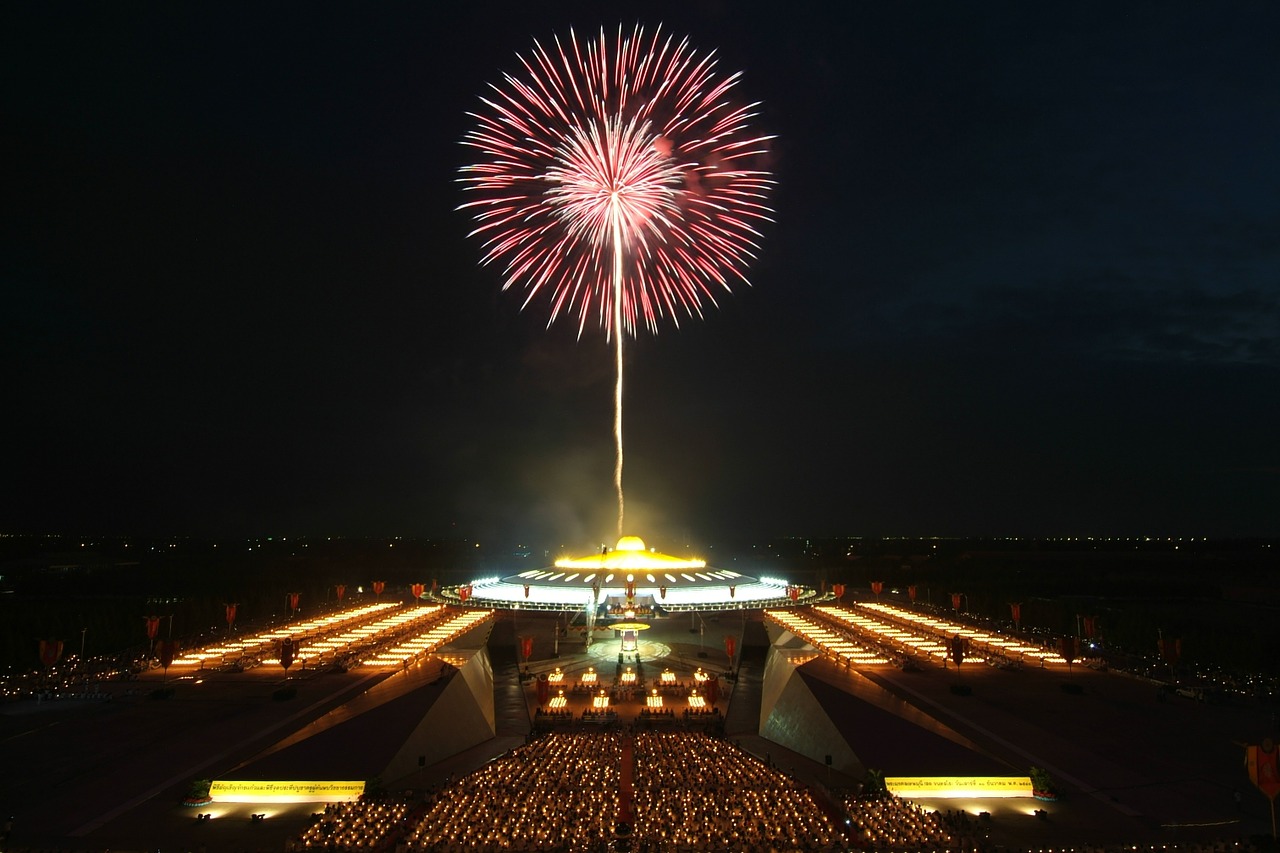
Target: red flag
x,y
165,649
378,587
1264,769
526,647
464,592
712,690
153,626
1069,648
286,652
957,649
435,585
838,589
231,615
544,689
50,651
730,644
877,587
1015,607
794,592
1090,626
417,590
955,600
911,592
341,590
293,600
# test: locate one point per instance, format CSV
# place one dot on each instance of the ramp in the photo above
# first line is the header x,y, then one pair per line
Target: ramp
x,y
743,714
511,710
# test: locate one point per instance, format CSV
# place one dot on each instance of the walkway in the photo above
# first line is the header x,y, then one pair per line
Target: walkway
x,y
743,715
510,709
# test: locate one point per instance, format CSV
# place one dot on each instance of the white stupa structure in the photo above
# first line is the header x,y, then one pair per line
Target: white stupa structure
x,y
628,577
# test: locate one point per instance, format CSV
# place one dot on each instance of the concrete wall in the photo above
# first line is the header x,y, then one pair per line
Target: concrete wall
x,y
461,718
792,717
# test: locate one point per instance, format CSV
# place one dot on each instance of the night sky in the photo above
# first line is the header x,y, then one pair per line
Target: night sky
x,y
1024,280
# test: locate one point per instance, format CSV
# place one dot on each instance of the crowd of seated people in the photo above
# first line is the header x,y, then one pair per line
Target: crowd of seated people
x,y
690,792
556,792
589,689
639,689
600,717
553,715
657,714
697,792
1240,845
678,689
1237,845
891,823
362,824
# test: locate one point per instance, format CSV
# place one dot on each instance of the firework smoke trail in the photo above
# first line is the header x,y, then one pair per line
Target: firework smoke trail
x,y
618,181
617,388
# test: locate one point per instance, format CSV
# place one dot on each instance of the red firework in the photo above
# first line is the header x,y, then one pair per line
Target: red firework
x,y
618,166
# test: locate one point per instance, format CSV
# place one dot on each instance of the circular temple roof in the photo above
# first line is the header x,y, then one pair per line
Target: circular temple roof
x,y
670,582
629,562
630,557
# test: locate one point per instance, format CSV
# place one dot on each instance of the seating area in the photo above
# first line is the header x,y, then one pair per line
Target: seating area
x,y
363,824
891,823
697,792
557,792
688,792
691,792
552,717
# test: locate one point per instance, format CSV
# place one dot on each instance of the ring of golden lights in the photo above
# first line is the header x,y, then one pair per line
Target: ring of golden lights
x,y
632,574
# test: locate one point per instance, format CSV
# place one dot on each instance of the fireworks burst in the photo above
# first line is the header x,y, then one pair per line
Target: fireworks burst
x,y
619,181
637,142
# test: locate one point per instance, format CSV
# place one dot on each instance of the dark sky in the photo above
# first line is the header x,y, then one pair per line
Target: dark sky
x,y
1024,280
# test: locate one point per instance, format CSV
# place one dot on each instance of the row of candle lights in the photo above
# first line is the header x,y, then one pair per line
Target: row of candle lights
x,y
243,645
370,632
430,639
1006,644
898,627
355,626
817,634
